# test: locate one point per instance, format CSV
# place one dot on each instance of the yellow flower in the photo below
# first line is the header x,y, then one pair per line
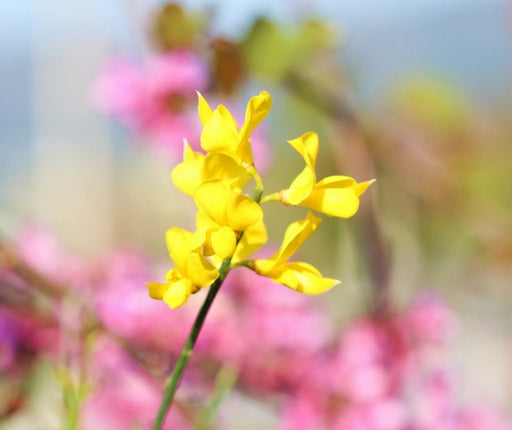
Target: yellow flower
x,y
187,175
254,237
197,168
223,214
334,196
192,271
299,276
221,133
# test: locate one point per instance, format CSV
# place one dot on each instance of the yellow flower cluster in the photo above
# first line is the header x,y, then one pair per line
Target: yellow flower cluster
x,y
229,224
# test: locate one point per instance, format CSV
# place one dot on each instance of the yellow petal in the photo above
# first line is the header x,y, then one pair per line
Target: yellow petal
x,y
253,238
199,270
338,202
220,132
257,109
300,188
212,199
302,277
336,196
186,176
157,290
223,242
204,222
361,187
336,181
242,212
180,243
177,293
307,146
296,234
226,206
203,108
222,166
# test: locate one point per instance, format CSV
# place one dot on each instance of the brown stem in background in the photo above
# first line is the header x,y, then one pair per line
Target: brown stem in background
x,y
373,243
11,261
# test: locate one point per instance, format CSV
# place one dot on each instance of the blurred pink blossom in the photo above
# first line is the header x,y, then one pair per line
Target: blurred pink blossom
x,y
382,376
287,330
123,394
389,372
22,338
124,307
428,319
156,99
41,250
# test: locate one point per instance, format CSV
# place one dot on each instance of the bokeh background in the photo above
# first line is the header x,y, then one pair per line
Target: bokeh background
x,y
415,94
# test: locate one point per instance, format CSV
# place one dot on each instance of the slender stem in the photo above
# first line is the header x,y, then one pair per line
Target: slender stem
x,y
274,197
186,352
257,193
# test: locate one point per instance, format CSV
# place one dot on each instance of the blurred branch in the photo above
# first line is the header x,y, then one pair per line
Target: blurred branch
x,y
9,260
336,108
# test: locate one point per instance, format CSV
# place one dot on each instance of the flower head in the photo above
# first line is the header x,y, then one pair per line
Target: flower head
x,y
334,196
299,276
197,168
221,133
192,270
229,224
224,213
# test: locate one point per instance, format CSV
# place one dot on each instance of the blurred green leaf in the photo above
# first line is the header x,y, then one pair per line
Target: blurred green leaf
x,y
271,50
432,102
174,28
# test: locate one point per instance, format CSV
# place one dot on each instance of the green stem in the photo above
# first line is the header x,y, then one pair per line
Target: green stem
x,y
186,352
257,193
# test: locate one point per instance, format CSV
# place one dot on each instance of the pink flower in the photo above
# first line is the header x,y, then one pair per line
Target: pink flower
x,y
387,414
124,307
302,414
428,319
123,395
41,250
157,99
176,73
382,376
288,331
482,418
22,338
121,91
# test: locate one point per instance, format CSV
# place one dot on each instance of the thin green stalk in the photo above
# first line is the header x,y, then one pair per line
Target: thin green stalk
x,y
186,352
225,381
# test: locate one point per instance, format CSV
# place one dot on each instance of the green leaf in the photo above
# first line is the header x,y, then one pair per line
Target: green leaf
x,y
271,50
174,28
